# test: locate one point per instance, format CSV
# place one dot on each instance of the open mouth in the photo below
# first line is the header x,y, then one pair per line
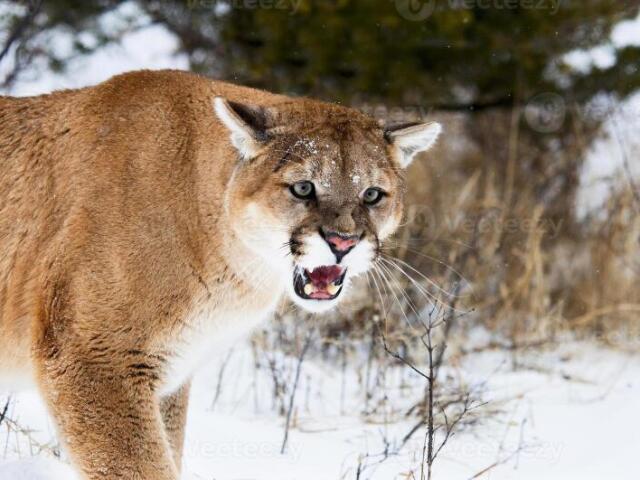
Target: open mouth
x,y
322,283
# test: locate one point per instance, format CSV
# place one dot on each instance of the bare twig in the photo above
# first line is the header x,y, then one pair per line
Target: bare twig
x,y
303,352
22,55
13,427
223,367
399,357
21,27
497,463
3,415
431,382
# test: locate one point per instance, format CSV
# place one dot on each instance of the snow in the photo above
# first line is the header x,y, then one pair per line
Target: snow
x,y
36,469
553,415
602,56
308,144
605,158
618,139
624,34
151,47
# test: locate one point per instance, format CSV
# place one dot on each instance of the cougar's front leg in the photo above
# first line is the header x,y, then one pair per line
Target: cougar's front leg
x,y
108,415
174,414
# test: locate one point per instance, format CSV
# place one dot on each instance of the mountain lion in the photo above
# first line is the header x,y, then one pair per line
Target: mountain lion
x,y
150,220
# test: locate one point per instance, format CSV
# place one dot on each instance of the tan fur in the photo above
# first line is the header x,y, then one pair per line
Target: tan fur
x,y
126,227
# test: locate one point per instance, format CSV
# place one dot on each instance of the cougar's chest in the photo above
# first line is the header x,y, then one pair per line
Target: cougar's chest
x,y
209,332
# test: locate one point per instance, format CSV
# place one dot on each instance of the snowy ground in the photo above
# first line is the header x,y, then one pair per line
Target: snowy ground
x,y
571,412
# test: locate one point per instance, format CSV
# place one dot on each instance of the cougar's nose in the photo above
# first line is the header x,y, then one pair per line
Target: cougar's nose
x,y
340,243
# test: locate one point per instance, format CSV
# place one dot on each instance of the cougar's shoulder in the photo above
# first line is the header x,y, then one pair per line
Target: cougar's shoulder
x,y
114,192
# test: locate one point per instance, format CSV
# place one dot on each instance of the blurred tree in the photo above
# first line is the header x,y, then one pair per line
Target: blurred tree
x,y
34,33
445,53
450,54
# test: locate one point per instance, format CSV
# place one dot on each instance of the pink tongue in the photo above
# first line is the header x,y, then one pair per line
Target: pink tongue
x,y
323,276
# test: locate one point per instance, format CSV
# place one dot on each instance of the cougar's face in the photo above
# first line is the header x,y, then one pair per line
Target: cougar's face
x,y
315,202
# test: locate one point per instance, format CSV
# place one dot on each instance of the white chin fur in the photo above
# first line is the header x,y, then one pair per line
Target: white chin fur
x,y
317,253
315,306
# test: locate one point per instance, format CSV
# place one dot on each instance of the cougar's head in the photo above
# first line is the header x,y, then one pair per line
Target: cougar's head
x,y
316,189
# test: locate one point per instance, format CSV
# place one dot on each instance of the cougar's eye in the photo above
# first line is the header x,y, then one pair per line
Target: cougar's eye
x,y
372,195
303,190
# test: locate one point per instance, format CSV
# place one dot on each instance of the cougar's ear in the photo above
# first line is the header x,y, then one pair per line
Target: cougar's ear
x,y
408,140
247,125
